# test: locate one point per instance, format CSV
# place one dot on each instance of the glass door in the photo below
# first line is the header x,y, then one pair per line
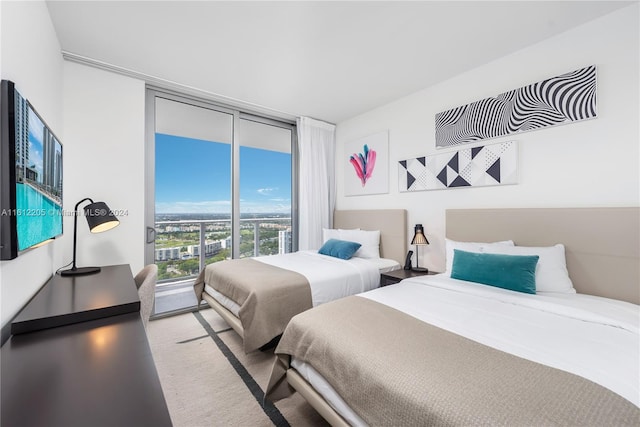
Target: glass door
x,y
265,187
220,184
192,147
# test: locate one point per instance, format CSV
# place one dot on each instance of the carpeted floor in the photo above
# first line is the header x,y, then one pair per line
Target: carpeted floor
x,y
208,380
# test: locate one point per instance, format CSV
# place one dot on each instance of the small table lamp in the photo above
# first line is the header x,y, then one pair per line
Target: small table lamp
x,y
419,239
100,218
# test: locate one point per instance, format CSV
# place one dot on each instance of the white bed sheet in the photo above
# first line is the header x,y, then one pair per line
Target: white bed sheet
x,y
329,278
596,338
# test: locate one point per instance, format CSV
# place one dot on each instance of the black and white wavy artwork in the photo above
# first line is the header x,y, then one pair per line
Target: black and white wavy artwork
x,y
570,97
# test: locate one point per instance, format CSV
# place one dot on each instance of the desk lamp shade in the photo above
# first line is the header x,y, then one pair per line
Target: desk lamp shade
x,y
100,218
419,239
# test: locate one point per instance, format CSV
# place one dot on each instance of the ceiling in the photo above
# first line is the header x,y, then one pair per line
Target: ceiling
x,y
328,60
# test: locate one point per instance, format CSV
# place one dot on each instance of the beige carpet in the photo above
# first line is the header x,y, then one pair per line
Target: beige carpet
x,y
208,380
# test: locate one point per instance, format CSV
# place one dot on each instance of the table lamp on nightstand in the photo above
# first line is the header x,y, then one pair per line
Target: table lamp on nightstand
x,y
419,239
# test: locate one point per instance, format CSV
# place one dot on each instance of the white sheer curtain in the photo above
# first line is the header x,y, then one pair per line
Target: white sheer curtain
x,y
317,190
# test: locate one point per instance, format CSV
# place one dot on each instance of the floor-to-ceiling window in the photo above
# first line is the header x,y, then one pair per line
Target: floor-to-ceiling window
x,y
220,185
265,202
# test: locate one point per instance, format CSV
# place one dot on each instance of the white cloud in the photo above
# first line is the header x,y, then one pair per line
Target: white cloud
x,y
266,191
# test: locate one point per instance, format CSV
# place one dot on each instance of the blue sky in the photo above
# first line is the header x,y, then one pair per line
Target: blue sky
x,y
194,176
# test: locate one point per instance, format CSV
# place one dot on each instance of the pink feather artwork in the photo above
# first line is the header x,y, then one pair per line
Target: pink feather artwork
x,y
364,164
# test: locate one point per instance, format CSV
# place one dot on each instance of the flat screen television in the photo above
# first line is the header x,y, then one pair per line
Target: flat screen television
x,y
30,176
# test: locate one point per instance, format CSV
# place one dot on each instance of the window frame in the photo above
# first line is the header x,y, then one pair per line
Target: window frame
x,y
151,93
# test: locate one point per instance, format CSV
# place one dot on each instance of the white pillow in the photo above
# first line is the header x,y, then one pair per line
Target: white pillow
x,y
333,233
477,247
551,270
370,241
330,233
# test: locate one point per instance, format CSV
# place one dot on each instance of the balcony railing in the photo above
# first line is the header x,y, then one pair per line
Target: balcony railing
x,y
180,242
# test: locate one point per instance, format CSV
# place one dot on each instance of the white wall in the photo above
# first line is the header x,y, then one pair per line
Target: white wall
x,y
104,160
30,57
591,163
99,118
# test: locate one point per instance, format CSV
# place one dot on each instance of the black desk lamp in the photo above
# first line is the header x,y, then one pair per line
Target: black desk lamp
x,y
419,239
100,218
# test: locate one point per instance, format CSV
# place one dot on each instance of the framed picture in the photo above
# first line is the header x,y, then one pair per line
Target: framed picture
x,y
366,165
563,99
492,164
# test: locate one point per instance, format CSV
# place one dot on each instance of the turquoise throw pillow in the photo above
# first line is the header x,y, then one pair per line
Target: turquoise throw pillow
x,y
513,272
342,249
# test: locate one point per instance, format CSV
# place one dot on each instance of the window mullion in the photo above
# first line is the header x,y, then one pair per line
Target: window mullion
x,y
235,187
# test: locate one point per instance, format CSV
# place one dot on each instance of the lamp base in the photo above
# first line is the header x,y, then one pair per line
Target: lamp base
x,y
80,271
421,269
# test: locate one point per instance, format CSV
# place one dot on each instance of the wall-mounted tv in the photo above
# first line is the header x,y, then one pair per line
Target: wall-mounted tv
x,y
30,176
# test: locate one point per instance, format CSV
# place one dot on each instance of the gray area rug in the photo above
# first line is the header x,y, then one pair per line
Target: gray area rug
x,y
208,380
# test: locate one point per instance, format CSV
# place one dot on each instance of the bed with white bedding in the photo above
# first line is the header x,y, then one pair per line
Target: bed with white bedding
x,y
436,350
329,278
590,337
258,296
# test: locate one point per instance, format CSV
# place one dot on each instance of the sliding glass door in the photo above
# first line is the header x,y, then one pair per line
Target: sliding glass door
x,y
265,187
219,186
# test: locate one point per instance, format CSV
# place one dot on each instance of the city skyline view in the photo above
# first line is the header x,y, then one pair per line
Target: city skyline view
x,y
194,177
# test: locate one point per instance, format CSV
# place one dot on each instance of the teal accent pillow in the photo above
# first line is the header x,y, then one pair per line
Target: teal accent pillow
x,y
342,249
513,272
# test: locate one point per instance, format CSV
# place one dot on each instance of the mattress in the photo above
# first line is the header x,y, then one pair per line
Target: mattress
x,y
595,338
329,278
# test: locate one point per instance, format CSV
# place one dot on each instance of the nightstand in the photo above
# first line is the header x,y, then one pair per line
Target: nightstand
x,y
391,277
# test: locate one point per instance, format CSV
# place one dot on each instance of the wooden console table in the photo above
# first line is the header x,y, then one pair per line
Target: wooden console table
x,y
96,369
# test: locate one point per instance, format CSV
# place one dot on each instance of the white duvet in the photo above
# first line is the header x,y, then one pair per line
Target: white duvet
x,y
596,338
329,278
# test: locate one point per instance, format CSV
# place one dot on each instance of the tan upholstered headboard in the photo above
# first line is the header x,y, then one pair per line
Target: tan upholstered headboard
x,y
392,224
602,244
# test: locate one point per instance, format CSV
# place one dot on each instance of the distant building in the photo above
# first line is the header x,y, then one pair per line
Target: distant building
x,y
49,177
274,225
210,248
166,254
284,241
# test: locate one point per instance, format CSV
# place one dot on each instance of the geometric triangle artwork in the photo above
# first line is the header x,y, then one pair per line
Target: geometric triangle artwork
x,y
412,174
410,180
486,165
453,163
452,175
494,170
459,182
442,176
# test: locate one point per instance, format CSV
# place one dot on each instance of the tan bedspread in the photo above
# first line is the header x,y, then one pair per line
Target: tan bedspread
x,y
268,296
393,369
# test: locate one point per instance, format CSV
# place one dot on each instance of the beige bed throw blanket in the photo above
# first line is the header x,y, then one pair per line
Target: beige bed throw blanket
x,y
268,296
394,370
